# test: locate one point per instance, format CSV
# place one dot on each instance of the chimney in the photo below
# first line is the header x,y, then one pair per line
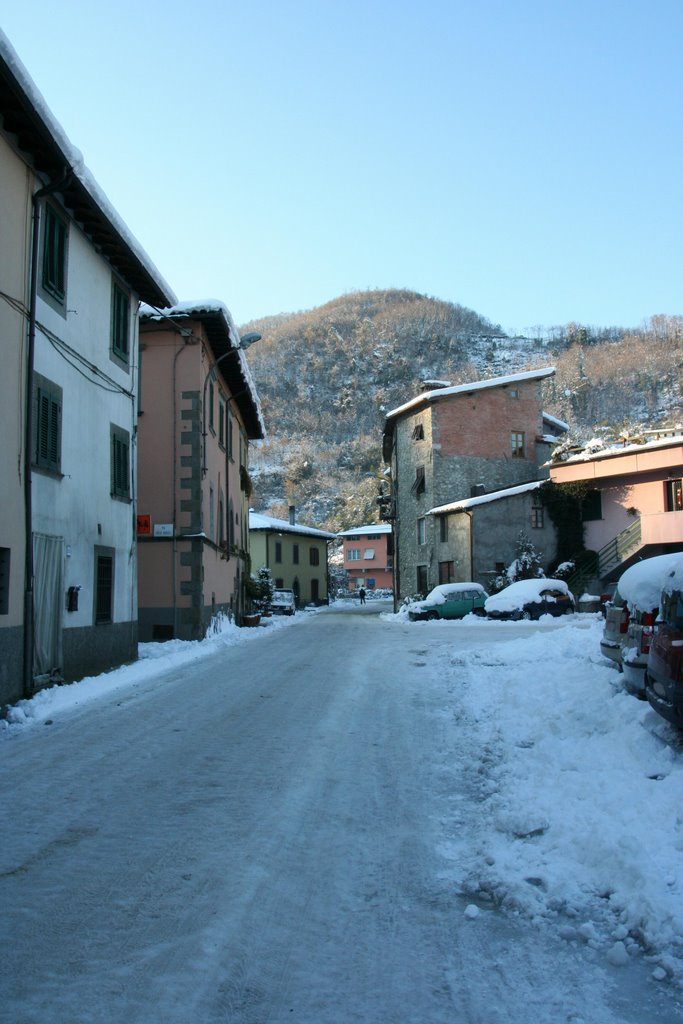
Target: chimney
x,y
292,515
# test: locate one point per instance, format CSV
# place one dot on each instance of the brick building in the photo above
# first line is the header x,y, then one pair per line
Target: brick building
x,y
453,443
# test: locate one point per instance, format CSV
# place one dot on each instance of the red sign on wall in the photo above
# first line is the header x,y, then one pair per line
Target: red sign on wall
x,y
144,525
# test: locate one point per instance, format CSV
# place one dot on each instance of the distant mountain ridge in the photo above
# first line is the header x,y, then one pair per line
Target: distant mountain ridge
x,y
327,377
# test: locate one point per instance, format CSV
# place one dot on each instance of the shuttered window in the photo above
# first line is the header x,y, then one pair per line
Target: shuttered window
x,y
120,323
54,254
120,463
47,425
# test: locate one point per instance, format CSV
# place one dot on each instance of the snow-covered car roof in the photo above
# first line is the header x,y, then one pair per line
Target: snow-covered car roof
x,y
523,592
445,590
641,586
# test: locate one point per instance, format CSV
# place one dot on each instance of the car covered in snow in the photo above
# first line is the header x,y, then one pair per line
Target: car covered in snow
x,y
530,599
631,616
664,671
449,601
283,602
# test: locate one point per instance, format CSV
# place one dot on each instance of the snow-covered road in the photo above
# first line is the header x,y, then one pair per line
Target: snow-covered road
x,y
287,829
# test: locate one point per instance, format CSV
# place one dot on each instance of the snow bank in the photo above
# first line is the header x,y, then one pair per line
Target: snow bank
x,y
581,820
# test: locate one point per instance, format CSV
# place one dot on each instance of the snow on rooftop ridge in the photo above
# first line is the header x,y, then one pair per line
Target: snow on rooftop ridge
x,y
477,385
597,448
257,521
357,531
73,159
555,422
483,499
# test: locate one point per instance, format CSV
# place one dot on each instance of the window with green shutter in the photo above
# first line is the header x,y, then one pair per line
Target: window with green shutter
x,y
47,424
120,463
54,254
120,323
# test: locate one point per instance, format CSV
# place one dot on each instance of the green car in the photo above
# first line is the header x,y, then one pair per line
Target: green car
x,y
449,601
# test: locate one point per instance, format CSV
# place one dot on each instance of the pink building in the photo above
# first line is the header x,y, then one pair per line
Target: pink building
x,y
368,556
634,507
198,411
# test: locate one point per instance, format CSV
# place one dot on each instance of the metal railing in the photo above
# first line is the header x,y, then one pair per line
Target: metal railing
x,y
617,550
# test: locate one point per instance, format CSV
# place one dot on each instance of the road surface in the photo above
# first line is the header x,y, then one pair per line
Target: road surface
x,y
254,839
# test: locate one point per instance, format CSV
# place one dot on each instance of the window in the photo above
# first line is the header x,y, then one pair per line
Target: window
x,y
212,517
120,323
4,581
314,556
517,444
418,432
229,443
211,408
443,529
104,586
54,254
421,530
373,536
537,517
422,579
419,482
369,554
231,523
353,555
221,422
295,554
47,424
371,582
674,495
591,507
279,583
221,518
446,572
278,550
120,463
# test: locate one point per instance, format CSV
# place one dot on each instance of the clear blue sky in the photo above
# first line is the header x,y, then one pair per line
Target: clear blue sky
x,y
521,157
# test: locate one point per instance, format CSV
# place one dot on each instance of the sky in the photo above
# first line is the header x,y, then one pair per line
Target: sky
x,y
522,158
574,820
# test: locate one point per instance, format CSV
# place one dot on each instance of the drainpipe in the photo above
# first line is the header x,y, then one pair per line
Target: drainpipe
x,y
28,432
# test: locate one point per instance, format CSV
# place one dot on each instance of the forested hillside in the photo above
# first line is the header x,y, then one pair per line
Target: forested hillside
x,y
327,377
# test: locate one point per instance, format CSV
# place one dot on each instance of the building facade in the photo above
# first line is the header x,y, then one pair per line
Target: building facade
x,y
633,506
71,277
295,554
368,553
453,443
477,538
198,412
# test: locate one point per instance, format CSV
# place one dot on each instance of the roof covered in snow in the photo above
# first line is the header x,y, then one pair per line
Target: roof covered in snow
x,y
466,389
484,499
260,522
43,144
599,449
559,425
224,339
359,531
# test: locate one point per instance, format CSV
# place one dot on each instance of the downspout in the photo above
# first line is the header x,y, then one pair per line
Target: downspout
x,y
36,198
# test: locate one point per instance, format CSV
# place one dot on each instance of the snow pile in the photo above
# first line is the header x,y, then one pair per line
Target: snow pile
x,y
581,821
641,586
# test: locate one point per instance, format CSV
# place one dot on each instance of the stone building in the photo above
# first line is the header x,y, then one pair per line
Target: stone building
x,y
453,443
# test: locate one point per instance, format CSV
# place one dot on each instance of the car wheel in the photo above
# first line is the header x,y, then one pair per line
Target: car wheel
x,y
432,615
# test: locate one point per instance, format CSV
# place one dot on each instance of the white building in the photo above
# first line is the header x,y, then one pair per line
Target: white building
x,y
71,278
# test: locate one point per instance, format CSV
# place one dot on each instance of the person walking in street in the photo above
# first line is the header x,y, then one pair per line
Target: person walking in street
x,y
361,594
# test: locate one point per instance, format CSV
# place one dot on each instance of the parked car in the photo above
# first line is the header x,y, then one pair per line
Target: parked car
x,y
530,599
449,601
283,603
630,618
664,671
